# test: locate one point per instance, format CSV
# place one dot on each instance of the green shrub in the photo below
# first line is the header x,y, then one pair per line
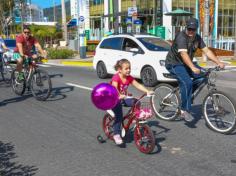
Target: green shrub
x,y
60,53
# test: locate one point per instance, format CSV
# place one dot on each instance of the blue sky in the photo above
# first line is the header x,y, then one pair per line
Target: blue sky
x,y
45,3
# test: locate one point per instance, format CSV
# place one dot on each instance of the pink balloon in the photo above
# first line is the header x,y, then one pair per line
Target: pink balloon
x,y
104,96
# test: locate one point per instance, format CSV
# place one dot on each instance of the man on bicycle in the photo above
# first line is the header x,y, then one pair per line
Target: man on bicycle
x,y
24,46
179,62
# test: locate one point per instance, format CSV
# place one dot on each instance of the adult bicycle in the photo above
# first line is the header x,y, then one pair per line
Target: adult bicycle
x,y
137,117
35,79
218,109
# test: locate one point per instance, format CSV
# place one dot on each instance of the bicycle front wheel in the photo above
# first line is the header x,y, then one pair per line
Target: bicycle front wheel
x,y
219,112
144,138
166,102
17,85
40,85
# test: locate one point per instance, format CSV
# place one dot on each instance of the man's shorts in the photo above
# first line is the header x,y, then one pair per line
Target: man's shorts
x,y
16,56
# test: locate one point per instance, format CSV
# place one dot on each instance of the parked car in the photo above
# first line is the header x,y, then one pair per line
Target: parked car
x,y
146,53
11,44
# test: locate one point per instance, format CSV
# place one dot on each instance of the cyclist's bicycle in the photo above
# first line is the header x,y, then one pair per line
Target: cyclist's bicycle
x,y
137,115
35,79
217,107
5,69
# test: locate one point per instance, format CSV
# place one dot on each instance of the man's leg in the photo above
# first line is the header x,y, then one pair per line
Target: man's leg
x,y
197,78
19,65
185,84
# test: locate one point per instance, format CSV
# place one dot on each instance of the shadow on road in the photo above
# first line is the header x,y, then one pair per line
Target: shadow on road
x,y
59,93
8,167
16,99
56,75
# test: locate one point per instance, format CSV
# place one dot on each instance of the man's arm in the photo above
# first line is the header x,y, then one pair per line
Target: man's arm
x,y
20,48
212,57
38,46
188,62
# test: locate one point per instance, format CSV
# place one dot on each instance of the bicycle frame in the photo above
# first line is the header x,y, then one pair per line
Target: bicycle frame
x,y
205,82
130,116
29,70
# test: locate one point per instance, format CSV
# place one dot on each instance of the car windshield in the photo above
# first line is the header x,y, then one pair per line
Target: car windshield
x,y
155,44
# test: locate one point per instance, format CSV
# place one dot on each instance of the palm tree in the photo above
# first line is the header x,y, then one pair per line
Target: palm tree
x,y
6,9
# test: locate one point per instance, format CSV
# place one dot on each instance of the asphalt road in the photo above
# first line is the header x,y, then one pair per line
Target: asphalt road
x,y
58,137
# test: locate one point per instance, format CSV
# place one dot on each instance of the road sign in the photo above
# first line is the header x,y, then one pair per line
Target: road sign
x,y
138,22
81,18
128,20
132,10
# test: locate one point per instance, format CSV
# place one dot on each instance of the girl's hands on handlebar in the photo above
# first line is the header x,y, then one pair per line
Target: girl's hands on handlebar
x,y
221,65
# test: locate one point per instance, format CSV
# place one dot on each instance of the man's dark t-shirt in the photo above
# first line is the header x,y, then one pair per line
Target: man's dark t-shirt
x,y
183,42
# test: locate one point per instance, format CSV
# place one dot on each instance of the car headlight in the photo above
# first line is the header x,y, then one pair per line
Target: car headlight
x,y
162,63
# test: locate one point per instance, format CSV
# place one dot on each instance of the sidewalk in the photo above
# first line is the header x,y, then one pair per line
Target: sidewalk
x,y
88,62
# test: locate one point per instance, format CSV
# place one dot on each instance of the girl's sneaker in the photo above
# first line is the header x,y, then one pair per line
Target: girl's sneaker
x,y
117,139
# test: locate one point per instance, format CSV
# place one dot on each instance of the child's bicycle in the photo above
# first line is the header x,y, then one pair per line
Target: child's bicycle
x,y
137,115
35,79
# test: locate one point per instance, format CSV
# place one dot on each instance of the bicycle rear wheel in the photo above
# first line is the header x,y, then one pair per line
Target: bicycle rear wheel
x,y
6,72
166,102
144,138
107,125
219,112
40,85
17,86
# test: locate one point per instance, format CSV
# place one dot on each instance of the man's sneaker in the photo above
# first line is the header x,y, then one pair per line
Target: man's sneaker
x,y
20,77
187,116
117,139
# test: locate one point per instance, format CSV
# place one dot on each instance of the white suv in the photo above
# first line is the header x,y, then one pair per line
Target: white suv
x,y
146,54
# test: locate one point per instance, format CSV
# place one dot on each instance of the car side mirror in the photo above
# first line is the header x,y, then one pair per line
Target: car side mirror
x,y
134,50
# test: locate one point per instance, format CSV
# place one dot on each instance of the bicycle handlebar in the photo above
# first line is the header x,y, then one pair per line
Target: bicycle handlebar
x,y
206,72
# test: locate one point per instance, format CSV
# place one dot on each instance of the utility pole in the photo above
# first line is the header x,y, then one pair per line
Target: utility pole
x,y
206,25
206,22
63,8
54,11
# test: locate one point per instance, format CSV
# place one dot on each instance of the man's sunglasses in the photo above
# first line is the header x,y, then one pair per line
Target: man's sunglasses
x,y
26,32
191,29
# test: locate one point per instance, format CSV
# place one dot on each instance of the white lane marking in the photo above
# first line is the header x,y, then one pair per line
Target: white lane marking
x,y
79,86
43,65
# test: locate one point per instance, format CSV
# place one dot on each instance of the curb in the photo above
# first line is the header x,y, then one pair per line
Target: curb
x,y
70,63
77,63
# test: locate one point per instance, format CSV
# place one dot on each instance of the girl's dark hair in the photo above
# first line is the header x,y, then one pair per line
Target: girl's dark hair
x,y
119,63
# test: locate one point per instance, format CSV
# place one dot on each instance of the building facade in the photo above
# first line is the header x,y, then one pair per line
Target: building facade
x,y
222,20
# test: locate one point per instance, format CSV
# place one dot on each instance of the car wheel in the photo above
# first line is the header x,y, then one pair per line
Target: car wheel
x,y
101,70
148,76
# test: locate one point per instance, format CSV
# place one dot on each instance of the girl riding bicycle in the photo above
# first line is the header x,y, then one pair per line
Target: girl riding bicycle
x,y
121,80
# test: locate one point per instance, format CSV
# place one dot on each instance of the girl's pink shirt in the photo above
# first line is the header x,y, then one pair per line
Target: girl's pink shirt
x,y
122,86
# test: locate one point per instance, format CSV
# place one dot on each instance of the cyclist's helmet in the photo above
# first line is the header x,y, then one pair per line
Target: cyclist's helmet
x,y
192,23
